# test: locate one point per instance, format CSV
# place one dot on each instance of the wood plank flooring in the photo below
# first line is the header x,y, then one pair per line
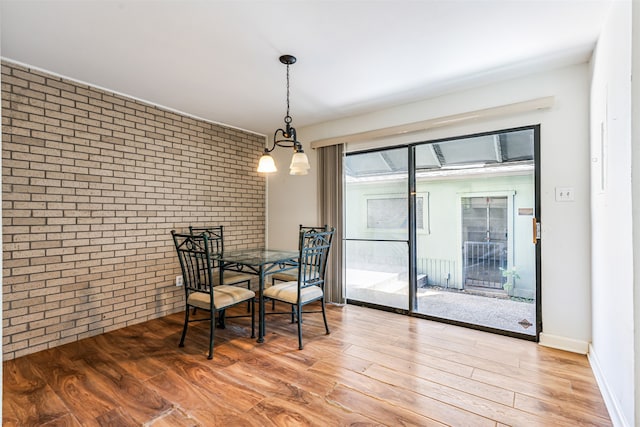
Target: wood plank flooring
x,y
375,368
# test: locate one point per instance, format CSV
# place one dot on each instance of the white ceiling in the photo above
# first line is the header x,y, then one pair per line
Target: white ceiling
x,y
219,59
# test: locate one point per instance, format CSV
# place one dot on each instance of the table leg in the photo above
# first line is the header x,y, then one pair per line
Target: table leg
x,y
261,328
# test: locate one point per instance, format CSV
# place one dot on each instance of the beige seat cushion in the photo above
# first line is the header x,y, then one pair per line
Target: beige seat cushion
x,y
288,292
287,276
292,275
223,296
231,278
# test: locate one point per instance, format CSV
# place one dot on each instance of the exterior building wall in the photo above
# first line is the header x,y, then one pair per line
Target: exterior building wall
x,y
93,182
439,238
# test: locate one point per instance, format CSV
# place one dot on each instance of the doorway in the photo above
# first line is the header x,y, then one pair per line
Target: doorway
x,y
485,234
442,229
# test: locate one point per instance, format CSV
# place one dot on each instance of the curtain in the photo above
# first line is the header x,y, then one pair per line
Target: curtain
x,y
330,192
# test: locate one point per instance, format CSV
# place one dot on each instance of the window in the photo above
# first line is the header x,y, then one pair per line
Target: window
x,y
390,213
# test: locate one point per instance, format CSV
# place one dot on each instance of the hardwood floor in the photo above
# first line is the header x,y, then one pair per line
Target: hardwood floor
x,y
375,368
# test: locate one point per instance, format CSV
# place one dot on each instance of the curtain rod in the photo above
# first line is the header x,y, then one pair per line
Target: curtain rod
x,y
503,110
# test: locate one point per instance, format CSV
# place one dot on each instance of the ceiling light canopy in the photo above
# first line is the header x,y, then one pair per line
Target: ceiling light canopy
x,y
286,138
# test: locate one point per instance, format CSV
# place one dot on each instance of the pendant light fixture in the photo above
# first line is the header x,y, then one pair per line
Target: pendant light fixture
x,y
286,138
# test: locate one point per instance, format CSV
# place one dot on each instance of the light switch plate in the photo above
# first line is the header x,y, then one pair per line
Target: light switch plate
x,y
564,194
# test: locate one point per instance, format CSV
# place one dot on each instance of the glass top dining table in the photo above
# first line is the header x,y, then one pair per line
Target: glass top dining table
x,y
261,262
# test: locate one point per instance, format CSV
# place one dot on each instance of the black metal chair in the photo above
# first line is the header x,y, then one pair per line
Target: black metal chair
x,y
198,270
215,234
291,275
309,284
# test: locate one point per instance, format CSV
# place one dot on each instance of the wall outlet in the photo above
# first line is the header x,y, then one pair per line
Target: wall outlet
x,y
179,281
564,194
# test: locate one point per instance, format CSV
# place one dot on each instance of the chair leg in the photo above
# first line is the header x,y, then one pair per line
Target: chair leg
x,y
324,316
299,310
250,302
221,319
253,318
184,329
212,328
273,302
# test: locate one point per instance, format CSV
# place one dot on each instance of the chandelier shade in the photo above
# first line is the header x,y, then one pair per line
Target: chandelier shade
x,y
299,164
266,164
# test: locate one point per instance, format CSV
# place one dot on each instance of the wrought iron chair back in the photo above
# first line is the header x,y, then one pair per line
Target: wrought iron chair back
x,y
197,265
293,274
313,229
215,237
314,254
195,261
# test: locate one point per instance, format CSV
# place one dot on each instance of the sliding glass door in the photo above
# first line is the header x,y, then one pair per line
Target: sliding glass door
x,y
444,229
377,228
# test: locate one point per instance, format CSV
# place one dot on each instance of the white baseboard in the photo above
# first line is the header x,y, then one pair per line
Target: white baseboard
x,y
616,415
564,343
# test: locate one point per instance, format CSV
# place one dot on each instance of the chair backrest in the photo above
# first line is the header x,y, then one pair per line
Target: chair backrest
x,y
195,261
314,254
312,229
215,238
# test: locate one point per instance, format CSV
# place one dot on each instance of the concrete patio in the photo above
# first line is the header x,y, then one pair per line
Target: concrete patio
x,y
490,310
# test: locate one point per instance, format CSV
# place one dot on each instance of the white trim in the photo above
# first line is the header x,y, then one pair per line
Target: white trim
x,y
564,343
615,412
172,110
454,119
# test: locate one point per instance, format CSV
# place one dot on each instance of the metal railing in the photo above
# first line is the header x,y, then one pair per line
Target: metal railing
x,y
436,272
482,262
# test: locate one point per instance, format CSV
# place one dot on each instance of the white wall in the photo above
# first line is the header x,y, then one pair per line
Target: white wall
x,y
566,311
612,351
635,147
291,200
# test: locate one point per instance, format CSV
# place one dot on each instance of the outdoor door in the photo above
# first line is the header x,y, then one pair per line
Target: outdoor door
x,y
484,237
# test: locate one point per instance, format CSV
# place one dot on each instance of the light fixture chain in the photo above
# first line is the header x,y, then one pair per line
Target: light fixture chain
x,y
287,90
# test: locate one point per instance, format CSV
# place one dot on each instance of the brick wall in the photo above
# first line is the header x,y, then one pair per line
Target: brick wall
x,y
93,182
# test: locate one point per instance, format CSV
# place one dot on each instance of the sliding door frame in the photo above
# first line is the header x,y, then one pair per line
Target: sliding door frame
x,y
412,236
